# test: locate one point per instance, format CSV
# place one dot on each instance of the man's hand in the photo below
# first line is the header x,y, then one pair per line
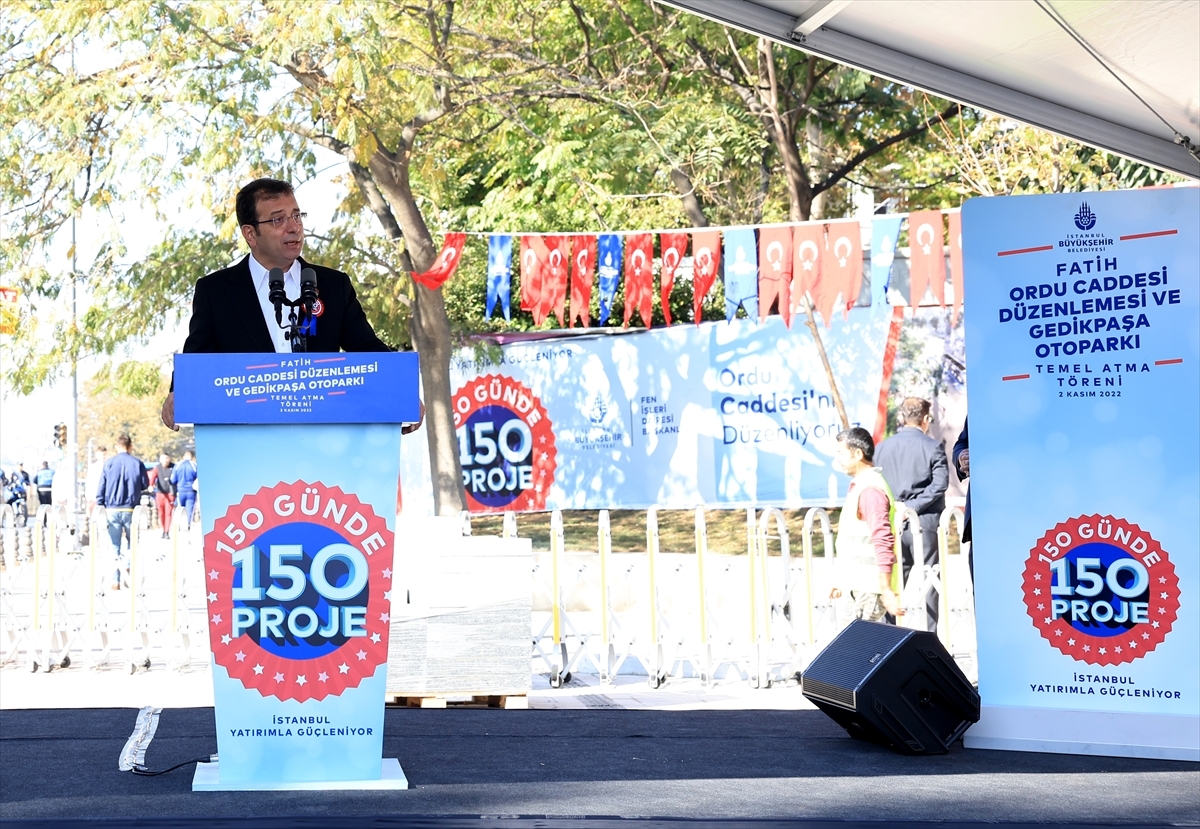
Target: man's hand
x,y
964,463
409,428
891,603
168,412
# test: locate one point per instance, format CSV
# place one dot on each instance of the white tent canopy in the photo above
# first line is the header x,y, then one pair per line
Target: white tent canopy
x,y
1014,58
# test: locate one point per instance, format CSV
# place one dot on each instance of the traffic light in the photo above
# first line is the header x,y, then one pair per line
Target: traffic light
x,y
60,435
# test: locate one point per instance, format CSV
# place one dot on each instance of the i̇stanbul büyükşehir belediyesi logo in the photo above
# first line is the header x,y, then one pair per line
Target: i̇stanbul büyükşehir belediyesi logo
x,y
1085,219
505,445
1101,589
298,588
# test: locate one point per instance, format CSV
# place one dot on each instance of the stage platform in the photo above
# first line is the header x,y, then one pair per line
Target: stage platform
x,y
514,768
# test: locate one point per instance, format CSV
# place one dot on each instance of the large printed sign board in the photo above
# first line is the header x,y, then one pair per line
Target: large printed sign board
x,y
725,413
299,545
1083,342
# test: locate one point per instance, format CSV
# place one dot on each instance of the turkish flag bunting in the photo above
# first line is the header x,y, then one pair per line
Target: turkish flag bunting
x,y
583,274
639,276
775,272
534,256
841,272
706,257
554,277
926,260
674,248
445,264
808,249
956,263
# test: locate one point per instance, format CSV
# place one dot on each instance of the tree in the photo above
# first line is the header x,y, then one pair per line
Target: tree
x,y
124,399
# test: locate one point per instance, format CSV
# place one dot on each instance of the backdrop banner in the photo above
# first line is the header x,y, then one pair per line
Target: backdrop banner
x,y
726,413
1083,340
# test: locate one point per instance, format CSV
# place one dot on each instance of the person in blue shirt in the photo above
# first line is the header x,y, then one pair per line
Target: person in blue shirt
x,y
122,482
44,480
184,479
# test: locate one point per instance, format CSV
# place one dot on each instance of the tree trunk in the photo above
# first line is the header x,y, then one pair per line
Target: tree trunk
x,y
430,329
687,193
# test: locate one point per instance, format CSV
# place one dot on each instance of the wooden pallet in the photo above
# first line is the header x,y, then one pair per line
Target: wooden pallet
x,y
511,701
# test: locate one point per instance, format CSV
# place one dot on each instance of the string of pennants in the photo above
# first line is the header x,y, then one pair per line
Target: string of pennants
x,y
765,266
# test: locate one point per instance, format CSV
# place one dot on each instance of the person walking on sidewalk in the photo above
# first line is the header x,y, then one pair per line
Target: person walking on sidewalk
x,y
865,546
164,492
122,482
184,479
914,465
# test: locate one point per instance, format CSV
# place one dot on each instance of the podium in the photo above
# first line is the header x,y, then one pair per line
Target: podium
x,y
299,459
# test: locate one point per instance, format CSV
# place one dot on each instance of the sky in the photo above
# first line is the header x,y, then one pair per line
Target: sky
x,y
27,422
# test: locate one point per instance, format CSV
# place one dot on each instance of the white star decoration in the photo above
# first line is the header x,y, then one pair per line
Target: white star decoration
x,y
1117,649
387,595
212,597
1048,620
361,655
226,639
258,669
1133,643
387,572
216,619
1162,595
300,680
343,668
1037,576
279,677
1071,642
1145,635
241,657
1162,579
383,617
375,638
1087,648
1058,633
1103,650
323,677
1037,591
212,575
1154,624
1041,607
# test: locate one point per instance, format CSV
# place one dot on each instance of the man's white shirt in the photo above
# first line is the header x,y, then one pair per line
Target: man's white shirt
x,y
291,286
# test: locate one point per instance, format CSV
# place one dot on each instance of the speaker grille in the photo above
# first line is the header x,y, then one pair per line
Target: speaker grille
x,y
867,643
829,693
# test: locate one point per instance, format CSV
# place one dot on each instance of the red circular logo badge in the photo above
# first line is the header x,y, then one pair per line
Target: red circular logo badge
x,y
318,308
299,586
505,445
1101,589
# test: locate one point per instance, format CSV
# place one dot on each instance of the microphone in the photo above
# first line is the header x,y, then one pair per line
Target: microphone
x,y
276,293
308,289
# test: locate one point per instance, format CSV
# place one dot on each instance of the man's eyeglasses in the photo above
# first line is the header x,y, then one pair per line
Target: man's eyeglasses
x,y
280,221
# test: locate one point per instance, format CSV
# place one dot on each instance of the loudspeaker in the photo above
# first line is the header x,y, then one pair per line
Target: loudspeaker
x,y
893,686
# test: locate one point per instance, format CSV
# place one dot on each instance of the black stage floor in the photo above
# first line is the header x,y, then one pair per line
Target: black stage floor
x,y
494,768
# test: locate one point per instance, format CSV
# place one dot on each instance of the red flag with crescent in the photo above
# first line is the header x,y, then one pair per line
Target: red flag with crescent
x,y
533,263
956,262
583,274
554,277
445,264
706,258
775,272
808,249
639,276
674,248
926,258
841,272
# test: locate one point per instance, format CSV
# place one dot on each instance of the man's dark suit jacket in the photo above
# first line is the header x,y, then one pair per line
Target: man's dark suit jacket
x,y
227,317
914,465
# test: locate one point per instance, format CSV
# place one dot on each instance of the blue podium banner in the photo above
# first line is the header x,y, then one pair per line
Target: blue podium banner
x,y
376,387
1083,337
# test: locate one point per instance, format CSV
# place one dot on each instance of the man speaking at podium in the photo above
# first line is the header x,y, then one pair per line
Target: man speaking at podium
x,y
232,311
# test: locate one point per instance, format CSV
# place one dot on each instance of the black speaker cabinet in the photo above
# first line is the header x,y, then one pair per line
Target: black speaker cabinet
x,y
893,686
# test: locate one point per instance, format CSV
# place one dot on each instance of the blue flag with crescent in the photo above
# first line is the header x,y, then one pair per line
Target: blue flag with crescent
x,y
885,230
499,274
741,273
608,258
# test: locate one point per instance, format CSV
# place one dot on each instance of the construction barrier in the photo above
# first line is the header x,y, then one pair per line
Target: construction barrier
x,y
760,617
61,606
